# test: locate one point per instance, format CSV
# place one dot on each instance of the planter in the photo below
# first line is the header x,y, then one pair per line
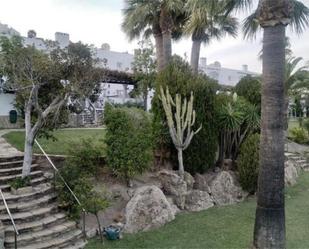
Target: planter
x,y
22,191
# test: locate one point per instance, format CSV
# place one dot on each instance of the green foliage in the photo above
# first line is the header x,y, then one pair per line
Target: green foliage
x,y
87,155
20,182
299,135
130,104
248,163
250,88
178,77
83,164
128,140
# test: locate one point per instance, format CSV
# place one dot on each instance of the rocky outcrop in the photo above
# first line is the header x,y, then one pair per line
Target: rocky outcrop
x,y
147,209
200,183
225,188
198,200
290,173
174,186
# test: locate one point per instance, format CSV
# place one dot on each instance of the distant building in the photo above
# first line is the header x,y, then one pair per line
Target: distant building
x,y
224,76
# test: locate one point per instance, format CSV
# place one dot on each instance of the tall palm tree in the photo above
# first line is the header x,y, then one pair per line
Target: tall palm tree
x,y
207,20
273,17
160,18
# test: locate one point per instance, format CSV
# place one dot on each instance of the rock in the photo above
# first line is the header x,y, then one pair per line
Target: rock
x,y
147,209
175,186
200,183
174,207
225,189
189,180
22,191
198,200
290,174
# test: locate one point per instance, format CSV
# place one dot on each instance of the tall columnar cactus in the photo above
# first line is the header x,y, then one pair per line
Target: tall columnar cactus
x,y
180,126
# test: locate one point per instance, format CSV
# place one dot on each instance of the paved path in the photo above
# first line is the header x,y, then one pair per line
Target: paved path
x,y
7,150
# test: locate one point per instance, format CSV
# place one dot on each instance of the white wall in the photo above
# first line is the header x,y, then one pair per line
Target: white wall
x,y
6,104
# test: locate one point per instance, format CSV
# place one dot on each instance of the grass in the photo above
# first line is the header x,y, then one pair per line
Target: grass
x,y
222,227
65,139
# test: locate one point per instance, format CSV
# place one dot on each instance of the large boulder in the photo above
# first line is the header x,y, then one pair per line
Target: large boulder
x,y
189,180
174,186
200,183
290,174
225,188
198,200
147,209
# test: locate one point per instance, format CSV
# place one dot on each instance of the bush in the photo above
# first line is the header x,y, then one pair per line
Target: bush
x,y
298,135
128,139
248,163
179,78
87,156
250,88
306,125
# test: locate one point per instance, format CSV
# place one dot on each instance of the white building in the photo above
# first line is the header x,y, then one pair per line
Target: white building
x,y
224,76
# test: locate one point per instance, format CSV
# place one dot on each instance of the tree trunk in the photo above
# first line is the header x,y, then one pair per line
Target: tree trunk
x,y
269,231
99,226
180,161
145,99
167,48
29,138
195,55
286,114
159,51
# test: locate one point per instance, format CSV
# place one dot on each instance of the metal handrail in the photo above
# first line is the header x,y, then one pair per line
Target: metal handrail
x,y
11,218
65,183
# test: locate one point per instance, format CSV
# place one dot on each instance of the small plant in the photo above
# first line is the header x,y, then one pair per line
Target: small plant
x,y
20,182
298,135
180,126
94,203
248,163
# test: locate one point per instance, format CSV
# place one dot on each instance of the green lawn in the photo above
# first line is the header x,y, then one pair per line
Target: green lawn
x,y
222,227
65,139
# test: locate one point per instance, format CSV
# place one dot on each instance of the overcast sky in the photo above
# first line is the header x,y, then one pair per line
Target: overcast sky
x,y
98,21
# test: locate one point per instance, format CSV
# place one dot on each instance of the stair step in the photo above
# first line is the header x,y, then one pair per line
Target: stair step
x,y
52,232
29,216
78,245
34,182
56,243
39,191
33,226
7,179
15,170
29,205
11,159
12,164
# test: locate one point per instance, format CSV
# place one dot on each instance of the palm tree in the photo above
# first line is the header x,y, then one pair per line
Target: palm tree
x,y
161,18
273,16
207,20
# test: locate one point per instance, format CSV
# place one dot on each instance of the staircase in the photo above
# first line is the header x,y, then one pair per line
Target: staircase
x,y
40,223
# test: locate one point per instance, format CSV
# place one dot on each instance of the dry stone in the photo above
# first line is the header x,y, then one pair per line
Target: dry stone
x,y
290,174
198,200
147,209
225,188
175,186
200,183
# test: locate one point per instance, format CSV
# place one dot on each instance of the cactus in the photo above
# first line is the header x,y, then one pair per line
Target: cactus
x,y
180,126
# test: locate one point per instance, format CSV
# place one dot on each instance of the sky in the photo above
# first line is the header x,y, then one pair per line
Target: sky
x,y
99,21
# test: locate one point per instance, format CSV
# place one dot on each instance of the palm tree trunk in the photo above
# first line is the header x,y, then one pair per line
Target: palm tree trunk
x,y
167,48
195,55
269,231
159,51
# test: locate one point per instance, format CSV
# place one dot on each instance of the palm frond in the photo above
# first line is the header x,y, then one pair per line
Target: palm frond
x,y
300,17
251,26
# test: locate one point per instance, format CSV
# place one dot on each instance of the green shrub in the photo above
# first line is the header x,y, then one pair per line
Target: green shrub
x,y
298,135
20,182
179,78
248,163
250,88
87,156
129,140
